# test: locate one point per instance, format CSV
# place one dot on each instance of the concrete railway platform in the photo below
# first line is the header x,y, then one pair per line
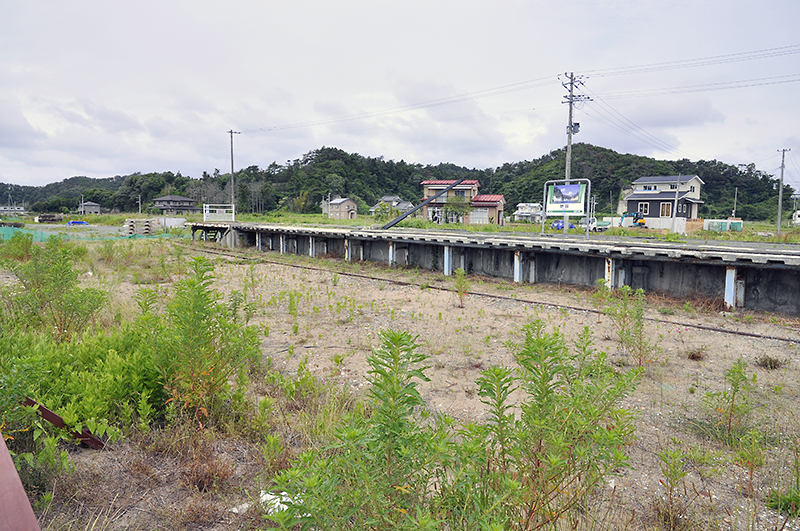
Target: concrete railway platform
x,y
748,276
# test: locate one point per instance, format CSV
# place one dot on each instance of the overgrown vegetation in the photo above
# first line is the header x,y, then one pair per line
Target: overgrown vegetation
x,y
178,373
404,468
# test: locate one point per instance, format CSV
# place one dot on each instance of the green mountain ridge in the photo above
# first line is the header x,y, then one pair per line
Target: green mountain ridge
x,y
301,184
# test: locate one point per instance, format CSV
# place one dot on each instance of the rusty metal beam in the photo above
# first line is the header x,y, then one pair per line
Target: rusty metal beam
x,y
84,437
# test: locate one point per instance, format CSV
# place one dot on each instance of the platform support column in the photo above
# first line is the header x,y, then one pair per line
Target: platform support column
x,y
392,257
730,288
448,261
347,256
283,243
311,246
258,241
532,268
614,273
518,267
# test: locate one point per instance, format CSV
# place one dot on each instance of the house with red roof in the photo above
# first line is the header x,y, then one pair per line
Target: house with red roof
x,y
480,208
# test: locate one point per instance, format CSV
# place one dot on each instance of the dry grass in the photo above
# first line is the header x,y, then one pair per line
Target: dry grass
x,y
177,478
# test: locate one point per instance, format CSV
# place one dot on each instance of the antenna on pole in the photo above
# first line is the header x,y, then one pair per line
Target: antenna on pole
x,y
233,189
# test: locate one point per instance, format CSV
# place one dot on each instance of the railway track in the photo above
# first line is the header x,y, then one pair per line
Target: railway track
x,y
243,256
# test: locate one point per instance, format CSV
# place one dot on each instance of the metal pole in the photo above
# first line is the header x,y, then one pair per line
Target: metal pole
x,y
780,189
675,208
568,171
233,193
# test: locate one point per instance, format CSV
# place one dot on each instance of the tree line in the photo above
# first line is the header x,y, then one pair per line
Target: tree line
x,y
301,184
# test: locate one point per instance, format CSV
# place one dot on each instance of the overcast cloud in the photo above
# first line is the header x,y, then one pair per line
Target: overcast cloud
x,y
100,88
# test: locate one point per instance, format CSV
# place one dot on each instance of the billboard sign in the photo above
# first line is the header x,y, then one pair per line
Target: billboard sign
x,y
563,199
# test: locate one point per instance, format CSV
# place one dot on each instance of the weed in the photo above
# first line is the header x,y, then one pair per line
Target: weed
x,y
335,279
697,354
47,296
664,310
627,316
771,363
671,511
462,286
750,456
400,468
785,502
732,407
198,347
601,296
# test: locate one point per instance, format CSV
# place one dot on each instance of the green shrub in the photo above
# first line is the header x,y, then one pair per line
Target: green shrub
x,y
402,468
47,296
199,344
627,314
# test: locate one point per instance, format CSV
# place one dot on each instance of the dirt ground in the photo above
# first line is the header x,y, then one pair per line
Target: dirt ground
x,y
339,315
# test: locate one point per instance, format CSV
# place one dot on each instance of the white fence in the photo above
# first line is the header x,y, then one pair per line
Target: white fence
x,y
219,213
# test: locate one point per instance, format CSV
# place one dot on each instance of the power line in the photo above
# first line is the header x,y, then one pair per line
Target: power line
x,y
693,63
622,123
505,89
627,126
724,85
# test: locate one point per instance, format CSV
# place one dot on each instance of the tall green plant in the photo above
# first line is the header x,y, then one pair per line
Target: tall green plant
x,y
732,407
199,345
462,286
400,468
378,472
48,296
627,314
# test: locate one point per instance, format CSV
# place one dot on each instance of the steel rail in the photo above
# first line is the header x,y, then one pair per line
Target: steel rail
x,y
233,254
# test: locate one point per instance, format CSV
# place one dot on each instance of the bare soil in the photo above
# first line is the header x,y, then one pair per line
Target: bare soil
x,y
137,486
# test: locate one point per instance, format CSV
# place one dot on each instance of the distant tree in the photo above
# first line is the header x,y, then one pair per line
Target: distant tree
x,y
386,212
300,203
456,207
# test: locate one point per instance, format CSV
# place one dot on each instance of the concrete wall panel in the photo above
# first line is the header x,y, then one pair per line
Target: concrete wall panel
x,y
569,269
678,279
774,290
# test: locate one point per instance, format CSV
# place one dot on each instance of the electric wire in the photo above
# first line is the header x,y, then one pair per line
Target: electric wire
x,y
505,89
628,126
707,87
693,63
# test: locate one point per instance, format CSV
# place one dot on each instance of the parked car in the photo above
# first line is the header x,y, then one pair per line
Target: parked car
x,y
559,225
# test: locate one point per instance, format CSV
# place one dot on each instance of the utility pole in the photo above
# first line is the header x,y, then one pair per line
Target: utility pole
x,y
675,208
233,196
140,203
572,128
780,189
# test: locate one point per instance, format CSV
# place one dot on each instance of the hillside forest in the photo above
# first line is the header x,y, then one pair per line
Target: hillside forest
x,y
300,185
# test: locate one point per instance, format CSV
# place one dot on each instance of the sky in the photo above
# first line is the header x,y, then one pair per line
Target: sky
x,y
99,88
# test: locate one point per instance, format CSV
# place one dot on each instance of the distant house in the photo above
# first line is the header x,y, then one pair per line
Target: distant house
x,y
486,208
530,212
657,197
392,201
89,207
342,208
483,208
9,210
171,205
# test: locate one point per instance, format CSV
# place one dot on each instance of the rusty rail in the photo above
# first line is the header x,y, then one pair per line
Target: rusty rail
x,y
53,418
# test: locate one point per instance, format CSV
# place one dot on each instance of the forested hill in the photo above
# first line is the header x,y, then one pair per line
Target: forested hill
x,y
300,184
